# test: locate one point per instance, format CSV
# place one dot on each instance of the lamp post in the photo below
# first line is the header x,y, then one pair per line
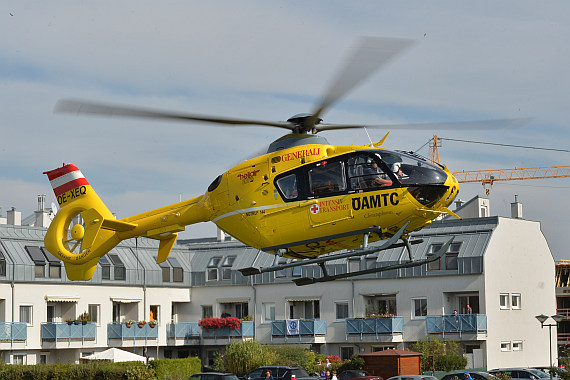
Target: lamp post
x,y
542,318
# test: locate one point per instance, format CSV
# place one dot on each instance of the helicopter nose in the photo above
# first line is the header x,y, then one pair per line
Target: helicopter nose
x,y
452,191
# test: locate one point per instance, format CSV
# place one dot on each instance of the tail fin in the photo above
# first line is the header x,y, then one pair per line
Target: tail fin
x,y
84,229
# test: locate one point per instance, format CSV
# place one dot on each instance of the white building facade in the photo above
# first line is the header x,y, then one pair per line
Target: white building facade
x,y
498,274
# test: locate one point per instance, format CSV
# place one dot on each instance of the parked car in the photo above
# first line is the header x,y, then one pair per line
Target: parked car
x,y
357,374
213,376
413,377
555,371
280,372
521,373
475,375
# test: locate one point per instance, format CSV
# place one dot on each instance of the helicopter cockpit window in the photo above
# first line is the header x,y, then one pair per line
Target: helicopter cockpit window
x,y
288,186
365,173
327,178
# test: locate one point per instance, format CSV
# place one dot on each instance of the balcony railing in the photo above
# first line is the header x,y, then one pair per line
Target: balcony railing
x,y
54,332
185,330
13,331
247,328
376,326
456,324
306,327
134,332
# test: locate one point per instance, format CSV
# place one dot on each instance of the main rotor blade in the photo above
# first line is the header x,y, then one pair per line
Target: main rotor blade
x,y
82,107
368,57
480,124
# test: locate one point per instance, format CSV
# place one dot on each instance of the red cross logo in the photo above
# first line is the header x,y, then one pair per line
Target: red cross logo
x,y
314,209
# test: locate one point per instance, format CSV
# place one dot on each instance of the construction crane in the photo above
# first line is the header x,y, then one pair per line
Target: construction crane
x,y
488,177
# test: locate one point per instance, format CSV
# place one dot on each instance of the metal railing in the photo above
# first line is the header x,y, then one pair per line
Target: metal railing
x,y
68,331
456,324
377,326
306,327
13,332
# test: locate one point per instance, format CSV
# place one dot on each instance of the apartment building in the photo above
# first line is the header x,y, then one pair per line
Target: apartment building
x,y
498,274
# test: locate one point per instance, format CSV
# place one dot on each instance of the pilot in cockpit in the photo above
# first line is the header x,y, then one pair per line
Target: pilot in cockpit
x,y
376,175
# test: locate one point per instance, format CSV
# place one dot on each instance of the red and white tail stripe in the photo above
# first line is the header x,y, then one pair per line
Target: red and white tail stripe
x,y
66,178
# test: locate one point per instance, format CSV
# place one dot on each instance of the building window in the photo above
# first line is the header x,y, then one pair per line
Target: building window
x,y
165,269
2,264
451,256
54,269
105,268
353,265
341,310
517,345
505,346
268,312
346,353
207,311
515,302
371,262
504,300
434,265
19,359
419,308
26,314
281,272
227,267
297,271
213,268
177,270
119,270
93,311
39,260
304,309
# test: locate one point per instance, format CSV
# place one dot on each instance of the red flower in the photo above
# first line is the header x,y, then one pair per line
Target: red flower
x,y
216,323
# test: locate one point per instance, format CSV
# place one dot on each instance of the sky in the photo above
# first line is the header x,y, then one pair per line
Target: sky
x,y
269,60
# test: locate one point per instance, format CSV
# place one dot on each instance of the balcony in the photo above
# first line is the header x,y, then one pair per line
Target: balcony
x,y
11,332
184,331
57,332
246,329
375,327
134,332
460,324
306,328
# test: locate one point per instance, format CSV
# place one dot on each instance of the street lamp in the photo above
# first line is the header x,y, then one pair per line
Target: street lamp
x,y
542,318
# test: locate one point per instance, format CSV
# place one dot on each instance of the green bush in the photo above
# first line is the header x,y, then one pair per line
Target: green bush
x,y
450,362
243,357
175,369
355,362
88,371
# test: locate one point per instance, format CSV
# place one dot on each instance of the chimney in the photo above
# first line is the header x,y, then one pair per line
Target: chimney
x,y
42,216
14,217
459,203
221,235
516,209
2,218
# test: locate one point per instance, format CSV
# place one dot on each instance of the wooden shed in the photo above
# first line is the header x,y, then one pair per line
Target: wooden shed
x,y
390,363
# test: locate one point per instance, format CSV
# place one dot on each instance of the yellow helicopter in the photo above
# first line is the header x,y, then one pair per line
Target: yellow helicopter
x,y
304,199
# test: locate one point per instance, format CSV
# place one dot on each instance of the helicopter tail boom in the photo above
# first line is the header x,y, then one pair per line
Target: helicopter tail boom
x,y
84,229
80,245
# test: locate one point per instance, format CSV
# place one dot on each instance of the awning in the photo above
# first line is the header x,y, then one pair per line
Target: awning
x,y
232,300
62,298
125,299
302,299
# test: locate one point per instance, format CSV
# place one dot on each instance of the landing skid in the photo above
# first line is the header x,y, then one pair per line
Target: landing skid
x,y
365,250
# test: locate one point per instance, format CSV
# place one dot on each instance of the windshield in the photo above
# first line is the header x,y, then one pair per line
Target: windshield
x,y
411,170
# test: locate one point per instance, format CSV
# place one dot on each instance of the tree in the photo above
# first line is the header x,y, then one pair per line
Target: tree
x,y
439,355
